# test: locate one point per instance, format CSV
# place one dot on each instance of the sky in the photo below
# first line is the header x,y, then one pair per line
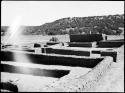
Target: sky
x,y
35,13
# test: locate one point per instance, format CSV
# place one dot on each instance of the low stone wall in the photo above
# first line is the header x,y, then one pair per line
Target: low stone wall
x,y
29,50
66,52
51,59
57,73
79,44
110,44
82,83
52,43
110,53
86,38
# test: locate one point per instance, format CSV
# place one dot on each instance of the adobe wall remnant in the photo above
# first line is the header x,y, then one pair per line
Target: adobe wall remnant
x,y
82,83
51,59
52,43
37,45
86,38
110,43
57,73
65,52
80,44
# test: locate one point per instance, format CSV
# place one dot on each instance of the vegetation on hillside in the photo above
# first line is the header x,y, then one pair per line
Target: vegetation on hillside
x,y
110,25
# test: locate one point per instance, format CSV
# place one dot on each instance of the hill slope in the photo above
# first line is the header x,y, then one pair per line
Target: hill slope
x,y
111,25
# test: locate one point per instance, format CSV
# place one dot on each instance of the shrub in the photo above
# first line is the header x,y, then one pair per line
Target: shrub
x,y
54,39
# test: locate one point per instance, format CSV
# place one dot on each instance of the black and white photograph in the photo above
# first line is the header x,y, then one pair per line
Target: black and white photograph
x,y
62,46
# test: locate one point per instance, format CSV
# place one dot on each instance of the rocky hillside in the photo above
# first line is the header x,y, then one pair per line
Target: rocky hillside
x,y
111,25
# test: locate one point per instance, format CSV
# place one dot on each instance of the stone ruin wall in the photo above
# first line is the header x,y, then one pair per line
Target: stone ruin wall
x,y
82,83
87,82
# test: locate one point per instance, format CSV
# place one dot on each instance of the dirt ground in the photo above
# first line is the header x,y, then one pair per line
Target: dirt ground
x,y
27,83
30,83
113,81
